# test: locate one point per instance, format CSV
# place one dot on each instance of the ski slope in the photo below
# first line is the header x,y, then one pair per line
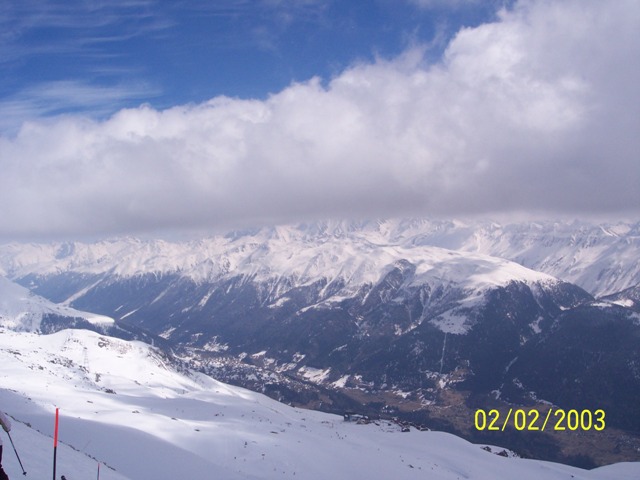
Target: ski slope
x,y
123,404
21,309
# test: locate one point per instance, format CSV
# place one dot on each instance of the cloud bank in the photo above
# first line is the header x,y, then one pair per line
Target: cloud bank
x,y
536,112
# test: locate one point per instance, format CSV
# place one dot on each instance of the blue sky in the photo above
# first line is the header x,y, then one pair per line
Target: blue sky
x,y
99,56
144,116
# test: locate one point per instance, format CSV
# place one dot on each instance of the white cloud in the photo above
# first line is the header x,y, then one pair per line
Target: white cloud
x,y
49,98
537,111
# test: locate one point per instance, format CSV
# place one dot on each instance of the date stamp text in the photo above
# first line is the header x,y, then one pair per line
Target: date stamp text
x,y
533,420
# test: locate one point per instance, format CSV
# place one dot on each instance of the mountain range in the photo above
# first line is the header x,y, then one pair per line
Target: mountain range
x,y
420,320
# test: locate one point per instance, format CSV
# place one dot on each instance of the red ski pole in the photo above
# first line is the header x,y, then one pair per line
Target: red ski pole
x,y
55,444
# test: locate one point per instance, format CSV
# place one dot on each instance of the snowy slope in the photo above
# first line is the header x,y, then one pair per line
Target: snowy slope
x,y
629,298
158,284
22,310
269,254
599,258
36,452
123,404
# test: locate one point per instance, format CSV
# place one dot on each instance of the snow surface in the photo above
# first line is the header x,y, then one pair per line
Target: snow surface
x,y
121,403
602,259
297,256
22,310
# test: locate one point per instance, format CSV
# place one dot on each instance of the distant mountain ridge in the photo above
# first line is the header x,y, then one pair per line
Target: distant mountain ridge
x,y
598,258
327,266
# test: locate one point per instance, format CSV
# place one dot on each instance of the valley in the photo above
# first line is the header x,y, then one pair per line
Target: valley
x,y
380,318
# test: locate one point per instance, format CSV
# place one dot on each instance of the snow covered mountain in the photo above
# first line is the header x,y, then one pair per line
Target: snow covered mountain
x,y
397,318
629,297
125,405
20,309
316,303
599,258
